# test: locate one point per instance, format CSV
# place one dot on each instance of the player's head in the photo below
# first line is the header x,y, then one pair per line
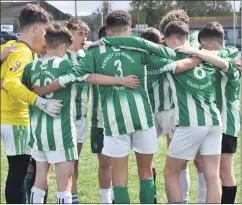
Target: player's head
x,y
32,21
118,23
176,34
40,47
211,37
80,32
102,32
58,38
151,34
174,15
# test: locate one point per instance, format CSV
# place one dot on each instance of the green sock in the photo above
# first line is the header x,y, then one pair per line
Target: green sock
x,y
75,198
28,184
121,195
147,191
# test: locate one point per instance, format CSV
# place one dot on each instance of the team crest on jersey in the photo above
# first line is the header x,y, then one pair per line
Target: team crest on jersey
x,y
16,67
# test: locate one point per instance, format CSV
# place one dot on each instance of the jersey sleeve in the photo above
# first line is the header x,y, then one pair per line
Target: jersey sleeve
x,y
139,44
70,73
233,70
26,76
228,52
158,63
12,80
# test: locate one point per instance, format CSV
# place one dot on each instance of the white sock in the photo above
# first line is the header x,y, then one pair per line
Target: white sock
x,y
184,179
106,195
202,189
64,197
37,196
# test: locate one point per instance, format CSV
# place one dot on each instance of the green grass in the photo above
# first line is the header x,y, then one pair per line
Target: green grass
x,y
88,182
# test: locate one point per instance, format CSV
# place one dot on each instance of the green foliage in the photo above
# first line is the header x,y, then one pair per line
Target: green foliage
x,y
151,12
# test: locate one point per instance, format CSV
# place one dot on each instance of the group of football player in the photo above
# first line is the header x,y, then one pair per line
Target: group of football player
x,y
168,82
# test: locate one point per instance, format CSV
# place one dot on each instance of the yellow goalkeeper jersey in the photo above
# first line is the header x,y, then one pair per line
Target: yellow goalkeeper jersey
x,y
15,97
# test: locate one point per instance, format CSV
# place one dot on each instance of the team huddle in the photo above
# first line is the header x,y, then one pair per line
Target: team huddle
x,y
169,82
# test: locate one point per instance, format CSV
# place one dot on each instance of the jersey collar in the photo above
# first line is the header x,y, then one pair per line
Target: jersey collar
x,y
24,42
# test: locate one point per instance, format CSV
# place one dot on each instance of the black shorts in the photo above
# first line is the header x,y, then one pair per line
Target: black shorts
x,y
229,144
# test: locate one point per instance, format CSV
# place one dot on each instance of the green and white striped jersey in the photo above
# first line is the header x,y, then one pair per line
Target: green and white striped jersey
x,y
96,116
228,97
124,110
48,133
159,89
193,92
82,87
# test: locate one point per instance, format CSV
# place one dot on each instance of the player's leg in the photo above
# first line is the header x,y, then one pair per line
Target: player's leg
x,y
210,151
15,139
29,178
41,177
105,178
81,128
64,163
201,183
145,144
104,165
118,148
229,188
184,146
184,176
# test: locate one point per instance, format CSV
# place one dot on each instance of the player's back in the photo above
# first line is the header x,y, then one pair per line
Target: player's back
x,y
194,96
50,133
124,110
14,111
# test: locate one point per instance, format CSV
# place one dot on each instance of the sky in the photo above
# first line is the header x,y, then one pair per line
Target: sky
x,y
87,7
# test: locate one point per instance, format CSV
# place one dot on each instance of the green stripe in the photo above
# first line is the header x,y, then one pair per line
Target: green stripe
x,y
119,113
135,113
38,132
200,112
148,113
183,108
50,133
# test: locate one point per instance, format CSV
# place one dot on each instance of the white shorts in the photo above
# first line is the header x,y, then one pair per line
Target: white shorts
x,y
187,141
54,157
165,122
81,130
16,139
141,141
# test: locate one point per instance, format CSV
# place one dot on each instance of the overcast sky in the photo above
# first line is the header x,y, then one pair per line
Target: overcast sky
x,y
87,7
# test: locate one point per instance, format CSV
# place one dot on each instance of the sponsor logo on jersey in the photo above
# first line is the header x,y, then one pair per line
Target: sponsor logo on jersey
x,y
16,67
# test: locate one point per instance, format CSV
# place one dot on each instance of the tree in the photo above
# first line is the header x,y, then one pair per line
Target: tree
x,y
106,8
151,12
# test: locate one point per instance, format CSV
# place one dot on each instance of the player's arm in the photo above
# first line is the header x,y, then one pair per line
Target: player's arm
x,y
206,56
85,73
139,44
12,81
166,65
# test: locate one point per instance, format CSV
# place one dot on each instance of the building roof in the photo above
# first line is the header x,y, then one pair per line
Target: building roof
x,y
225,21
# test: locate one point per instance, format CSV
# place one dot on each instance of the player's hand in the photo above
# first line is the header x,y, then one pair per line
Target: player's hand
x,y
238,63
40,91
130,81
187,49
7,51
51,106
95,44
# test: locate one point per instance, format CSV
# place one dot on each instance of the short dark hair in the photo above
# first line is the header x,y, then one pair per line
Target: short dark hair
x,y
177,28
151,34
31,14
102,32
57,34
77,24
118,18
212,31
174,15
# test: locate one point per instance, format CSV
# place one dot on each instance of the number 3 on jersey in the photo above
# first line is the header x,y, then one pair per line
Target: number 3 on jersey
x,y
118,63
46,82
